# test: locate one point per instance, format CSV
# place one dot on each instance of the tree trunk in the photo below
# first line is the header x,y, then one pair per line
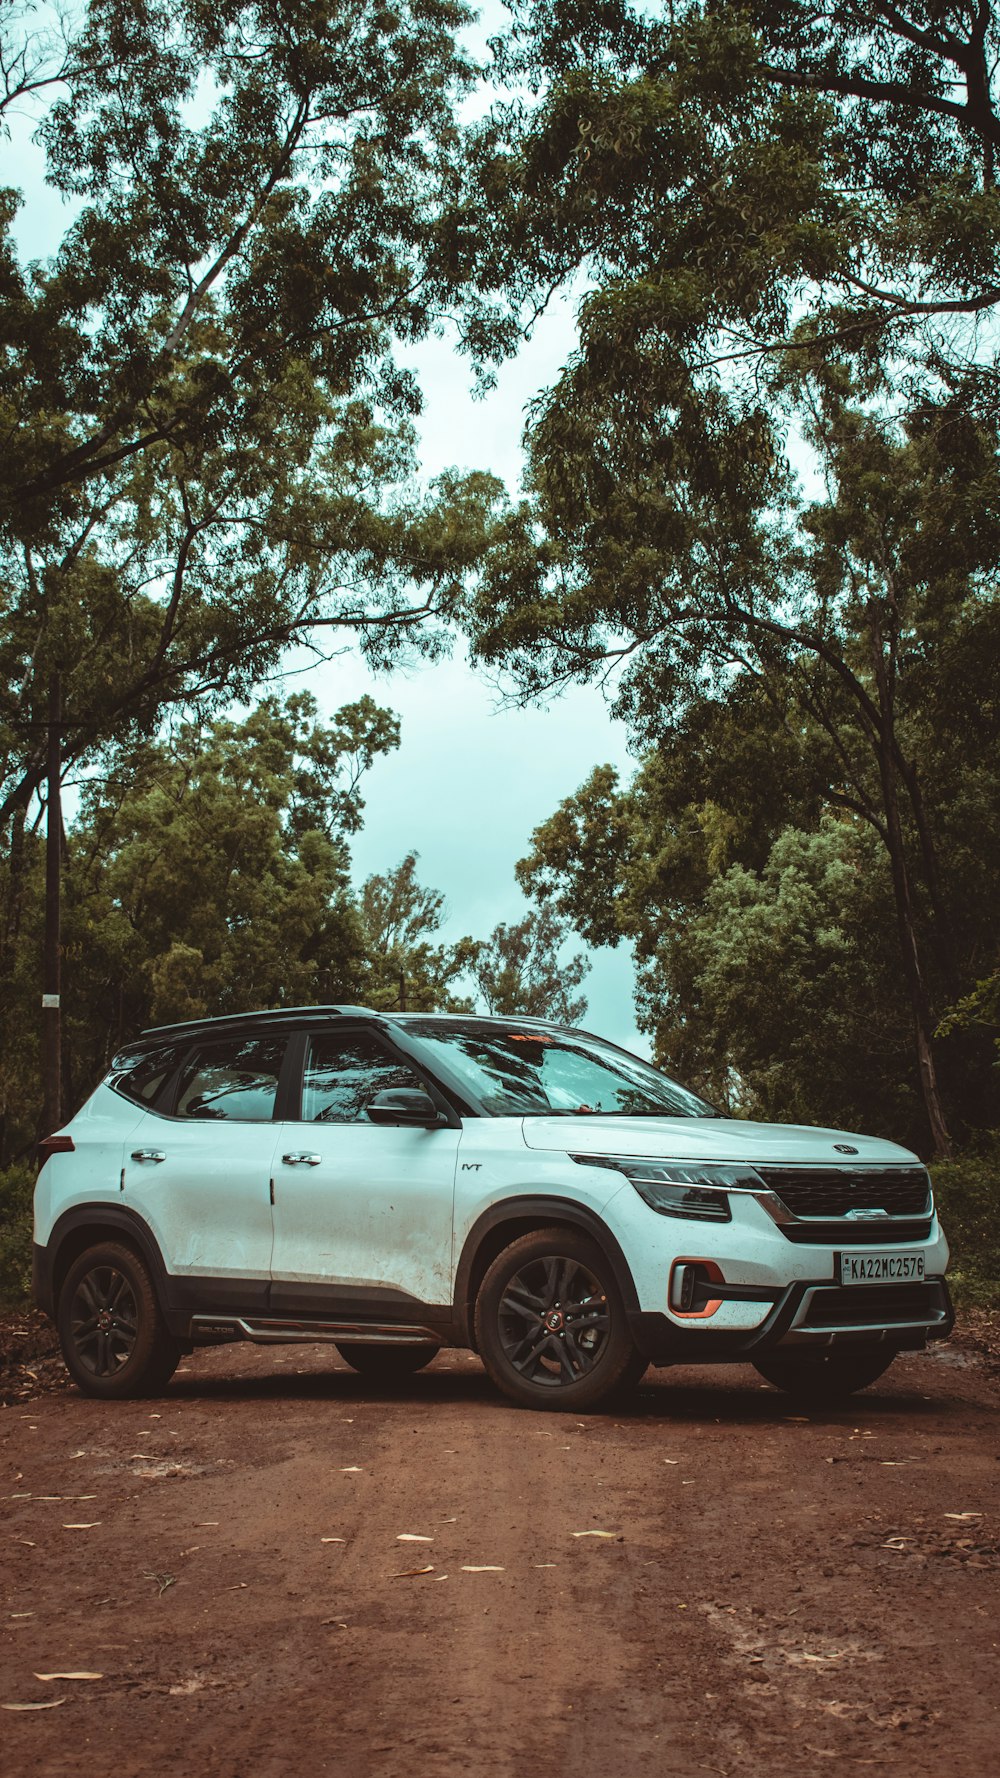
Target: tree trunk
x,y
909,946
52,971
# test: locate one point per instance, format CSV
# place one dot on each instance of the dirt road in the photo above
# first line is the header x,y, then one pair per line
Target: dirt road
x,y
777,1594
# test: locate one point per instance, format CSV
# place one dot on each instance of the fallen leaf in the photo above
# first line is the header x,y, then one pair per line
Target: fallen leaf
x,y
352,1469
163,1581
482,1568
411,1573
333,1540
412,1537
48,1676
593,1534
49,1704
85,1525
963,1515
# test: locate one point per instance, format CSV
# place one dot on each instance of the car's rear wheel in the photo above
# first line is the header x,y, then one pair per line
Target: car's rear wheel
x,y
386,1364
551,1326
110,1328
823,1376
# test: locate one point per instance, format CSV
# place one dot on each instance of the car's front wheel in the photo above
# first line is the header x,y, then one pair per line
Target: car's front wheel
x,y
820,1377
551,1326
110,1327
386,1363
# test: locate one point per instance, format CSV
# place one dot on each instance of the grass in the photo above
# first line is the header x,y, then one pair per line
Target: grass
x,y
967,1191
16,1187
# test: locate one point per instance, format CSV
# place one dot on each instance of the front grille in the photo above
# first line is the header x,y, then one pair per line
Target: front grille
x,y
874,1305
879,1233
834,1191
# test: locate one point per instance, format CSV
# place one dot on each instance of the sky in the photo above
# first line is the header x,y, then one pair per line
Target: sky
x,y
471,779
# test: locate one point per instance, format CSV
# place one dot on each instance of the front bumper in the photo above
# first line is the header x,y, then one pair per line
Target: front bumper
x,y
806,1314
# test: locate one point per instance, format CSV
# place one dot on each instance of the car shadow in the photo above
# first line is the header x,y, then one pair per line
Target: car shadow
x,y
732,1395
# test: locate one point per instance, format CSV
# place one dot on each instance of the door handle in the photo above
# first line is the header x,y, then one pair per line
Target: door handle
x,y
302,1160
148,1154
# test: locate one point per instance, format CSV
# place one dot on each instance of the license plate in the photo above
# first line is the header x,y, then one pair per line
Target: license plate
x,y
881,1268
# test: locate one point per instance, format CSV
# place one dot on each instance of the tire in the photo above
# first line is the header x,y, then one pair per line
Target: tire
x,y
386,1363
585,1353
111,1331
820,1377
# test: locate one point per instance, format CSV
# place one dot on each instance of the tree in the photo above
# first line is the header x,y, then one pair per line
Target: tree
x,y
737,177
208,444
209,873
518,970
400,918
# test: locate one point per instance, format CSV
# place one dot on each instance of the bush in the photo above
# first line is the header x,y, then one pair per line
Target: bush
x,y
968,1198
16,1187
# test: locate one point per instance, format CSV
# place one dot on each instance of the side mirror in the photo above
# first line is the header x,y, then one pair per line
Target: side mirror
x,y
404,1105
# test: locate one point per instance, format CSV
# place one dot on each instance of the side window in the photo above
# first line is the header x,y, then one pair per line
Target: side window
x,y
232,1078
343,1074
140,1076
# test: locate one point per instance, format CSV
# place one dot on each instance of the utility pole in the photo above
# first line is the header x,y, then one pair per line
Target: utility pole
x,y
52,967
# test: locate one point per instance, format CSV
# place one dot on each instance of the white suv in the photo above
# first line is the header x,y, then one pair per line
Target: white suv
x,y
395,1183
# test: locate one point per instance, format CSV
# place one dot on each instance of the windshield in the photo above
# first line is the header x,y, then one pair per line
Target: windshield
x,y
514,1071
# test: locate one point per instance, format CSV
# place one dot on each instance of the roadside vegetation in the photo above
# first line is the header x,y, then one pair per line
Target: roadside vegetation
x,y
761,506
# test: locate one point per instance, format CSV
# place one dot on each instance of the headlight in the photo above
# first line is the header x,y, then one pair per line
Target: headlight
x,y
695,1190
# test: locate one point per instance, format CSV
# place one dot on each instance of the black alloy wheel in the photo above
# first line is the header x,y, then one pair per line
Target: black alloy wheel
x,y
110,1328
386,1363
550,1323
821,1377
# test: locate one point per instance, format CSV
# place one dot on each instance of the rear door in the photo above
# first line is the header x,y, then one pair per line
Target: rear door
x,y
201,1176
362,1212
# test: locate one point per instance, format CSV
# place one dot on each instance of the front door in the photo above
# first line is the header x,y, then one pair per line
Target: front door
x,y
362,1211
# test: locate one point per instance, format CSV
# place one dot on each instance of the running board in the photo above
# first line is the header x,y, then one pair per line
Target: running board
x,y
265,1331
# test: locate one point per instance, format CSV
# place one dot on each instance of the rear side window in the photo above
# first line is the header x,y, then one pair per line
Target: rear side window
x,y
235,1078
140,1074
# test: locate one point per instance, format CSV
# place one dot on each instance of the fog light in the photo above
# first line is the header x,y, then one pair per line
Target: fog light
x,y
689,1291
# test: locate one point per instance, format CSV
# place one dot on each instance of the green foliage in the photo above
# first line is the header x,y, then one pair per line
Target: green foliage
x,y
966,1194
208,873
733,176
17,1186
787,227
406,971
518,970
209,446
787,980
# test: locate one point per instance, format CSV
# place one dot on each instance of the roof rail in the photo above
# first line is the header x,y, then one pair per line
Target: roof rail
x,y
268,1015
